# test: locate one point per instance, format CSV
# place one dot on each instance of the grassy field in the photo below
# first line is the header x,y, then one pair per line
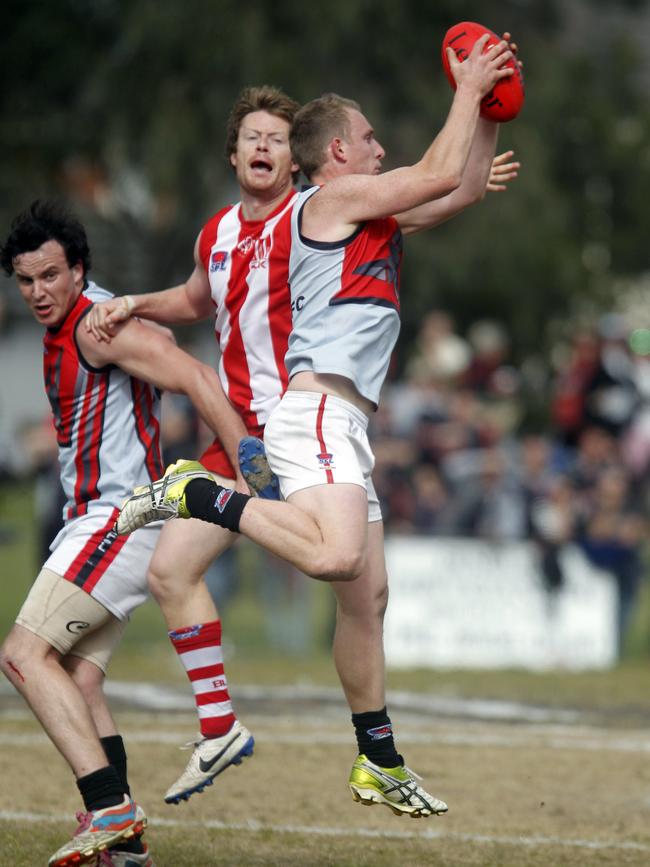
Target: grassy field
x,y
561,778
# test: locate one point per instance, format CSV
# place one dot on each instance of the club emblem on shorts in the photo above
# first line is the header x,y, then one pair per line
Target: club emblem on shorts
x,y
218,261
222,499
326,460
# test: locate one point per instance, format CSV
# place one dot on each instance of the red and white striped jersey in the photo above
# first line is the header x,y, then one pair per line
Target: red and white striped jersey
x,y
107,422
247,265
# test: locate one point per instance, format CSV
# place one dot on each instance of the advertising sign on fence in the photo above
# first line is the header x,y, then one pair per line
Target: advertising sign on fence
x,y
457,603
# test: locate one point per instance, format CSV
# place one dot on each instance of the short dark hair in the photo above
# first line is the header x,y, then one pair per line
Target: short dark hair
x,y
315,125
263,98
46,221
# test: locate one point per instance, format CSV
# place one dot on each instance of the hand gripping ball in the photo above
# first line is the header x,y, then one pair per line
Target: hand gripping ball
x,y
506,98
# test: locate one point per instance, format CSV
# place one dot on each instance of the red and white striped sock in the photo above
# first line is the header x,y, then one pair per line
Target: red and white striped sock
x,y
199,649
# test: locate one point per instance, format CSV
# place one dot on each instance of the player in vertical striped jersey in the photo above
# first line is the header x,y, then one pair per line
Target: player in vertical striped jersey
x,y
346,240
241,259
105,405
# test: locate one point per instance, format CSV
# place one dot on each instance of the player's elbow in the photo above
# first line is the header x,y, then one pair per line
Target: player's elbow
x,y
198,382
477,195
454,180
471,197
448,182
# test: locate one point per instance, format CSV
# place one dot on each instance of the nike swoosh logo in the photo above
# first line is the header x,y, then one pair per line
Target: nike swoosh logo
x,y
204,767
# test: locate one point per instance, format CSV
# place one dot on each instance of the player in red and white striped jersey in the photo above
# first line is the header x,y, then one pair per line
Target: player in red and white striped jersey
x,y
240,277
105,403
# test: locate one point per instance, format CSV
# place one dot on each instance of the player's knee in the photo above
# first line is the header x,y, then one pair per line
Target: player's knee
x,y
88,678
160,581
16,660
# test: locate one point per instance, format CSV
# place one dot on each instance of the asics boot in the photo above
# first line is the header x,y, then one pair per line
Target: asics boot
x,y
160,500
397,788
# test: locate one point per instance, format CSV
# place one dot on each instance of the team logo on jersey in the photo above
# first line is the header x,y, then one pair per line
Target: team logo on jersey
x,y
219,683
326,460
261,248
218,260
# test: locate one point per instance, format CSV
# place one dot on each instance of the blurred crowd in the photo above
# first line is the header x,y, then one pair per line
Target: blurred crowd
x,y
469,445
463,449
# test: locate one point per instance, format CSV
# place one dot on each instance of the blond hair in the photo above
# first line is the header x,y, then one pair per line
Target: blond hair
x,y
315,125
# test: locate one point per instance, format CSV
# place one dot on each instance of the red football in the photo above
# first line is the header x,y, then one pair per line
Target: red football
x,y
505,100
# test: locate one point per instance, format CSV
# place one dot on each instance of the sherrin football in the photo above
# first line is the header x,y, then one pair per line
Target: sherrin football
x,y
505,100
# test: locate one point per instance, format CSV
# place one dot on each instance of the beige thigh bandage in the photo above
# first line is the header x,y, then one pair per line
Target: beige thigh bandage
x,y
69,619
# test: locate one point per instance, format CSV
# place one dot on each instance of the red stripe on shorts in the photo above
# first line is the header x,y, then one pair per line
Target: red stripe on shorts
x,y
96,556
321,439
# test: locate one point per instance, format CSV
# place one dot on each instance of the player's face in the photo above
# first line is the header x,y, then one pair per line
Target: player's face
x,y
262,161
362,148
47,283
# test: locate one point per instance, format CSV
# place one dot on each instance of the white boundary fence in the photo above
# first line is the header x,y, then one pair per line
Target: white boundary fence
x,y
457,603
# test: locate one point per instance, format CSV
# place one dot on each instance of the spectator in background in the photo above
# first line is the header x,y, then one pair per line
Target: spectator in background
x,y
431,500
550,520
612,397
489,503
489,350
441,354
610,532
571,385
596,451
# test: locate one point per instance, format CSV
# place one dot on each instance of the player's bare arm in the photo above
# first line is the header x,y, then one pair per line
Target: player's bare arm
x,y
472,188
149,355
334,212
184,304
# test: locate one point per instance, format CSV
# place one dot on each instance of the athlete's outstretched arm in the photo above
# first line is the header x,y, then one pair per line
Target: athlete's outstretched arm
x,y
348,200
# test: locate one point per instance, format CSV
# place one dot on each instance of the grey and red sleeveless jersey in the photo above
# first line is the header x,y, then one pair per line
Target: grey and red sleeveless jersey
x,y
107,422
247,264
345,301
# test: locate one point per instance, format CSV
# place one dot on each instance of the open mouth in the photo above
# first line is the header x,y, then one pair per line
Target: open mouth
x,y
261,166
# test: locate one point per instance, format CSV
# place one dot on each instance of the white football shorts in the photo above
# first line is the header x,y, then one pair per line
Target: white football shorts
x,y
110,568
319,439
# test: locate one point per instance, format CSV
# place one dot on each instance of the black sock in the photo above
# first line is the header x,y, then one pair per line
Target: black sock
x,y
375,738
116,755
211,502
102,788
